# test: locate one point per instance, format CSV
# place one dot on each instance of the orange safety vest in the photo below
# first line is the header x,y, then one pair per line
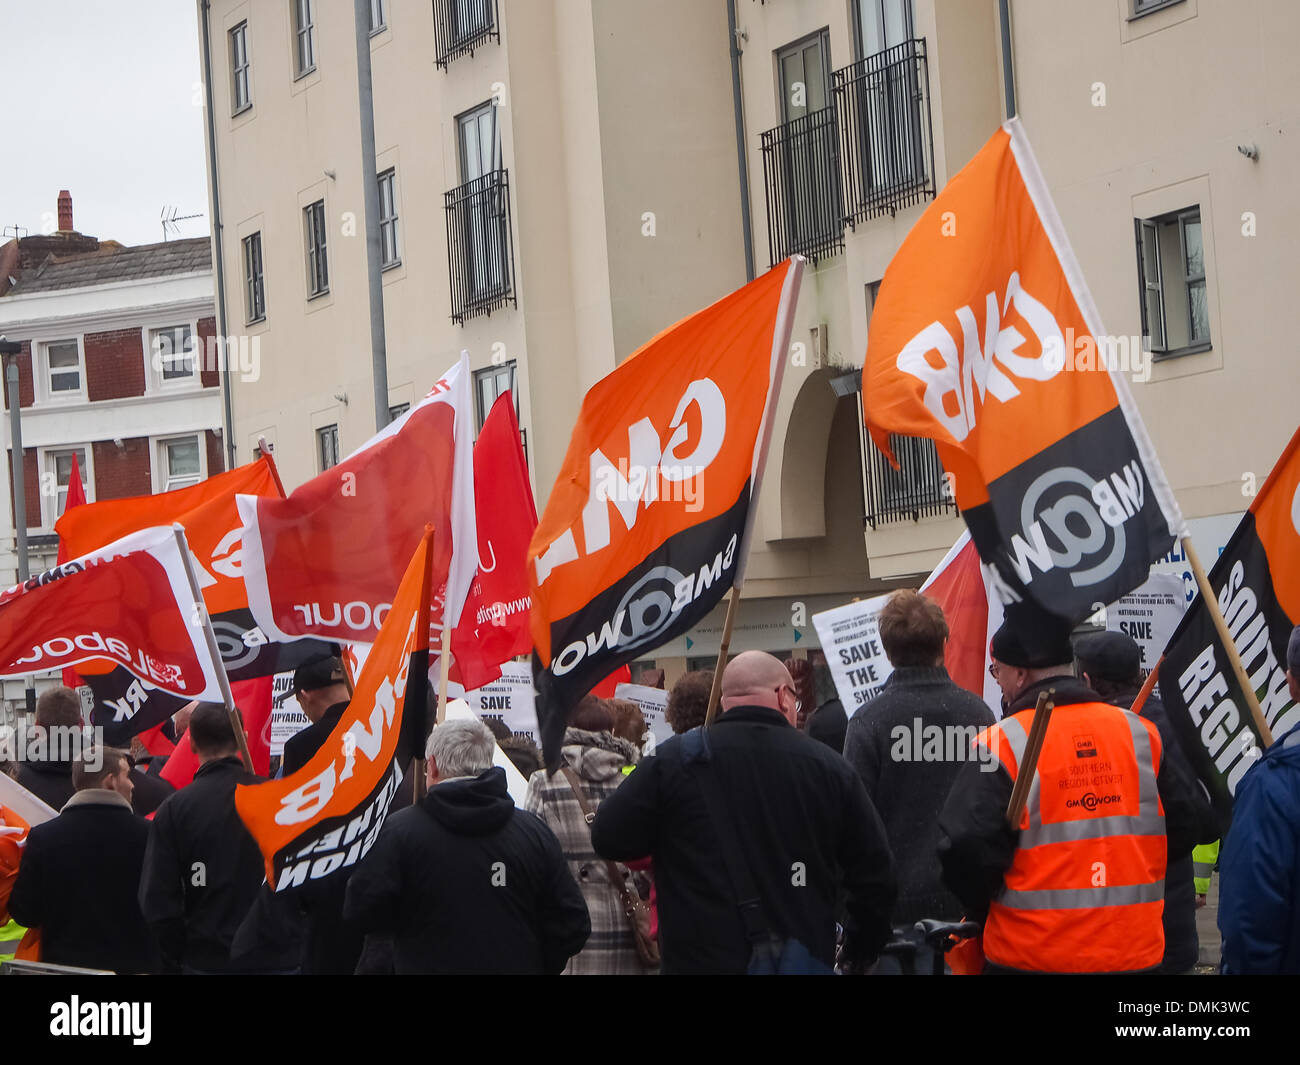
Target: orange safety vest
x,y
1085,891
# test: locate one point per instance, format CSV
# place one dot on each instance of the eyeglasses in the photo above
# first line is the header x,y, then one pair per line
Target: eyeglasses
x,y
798,703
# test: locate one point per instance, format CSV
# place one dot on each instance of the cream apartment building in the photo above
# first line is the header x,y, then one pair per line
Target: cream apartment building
x,y
560,179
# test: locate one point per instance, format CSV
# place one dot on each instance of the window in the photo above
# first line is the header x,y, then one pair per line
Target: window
x,y
63,366
801,166
377,21
318,279
172,349
327,446
489,385
1171,273
180,463
461,26
479,241
305,34
57,472
240,89
254,284
882,24
388,251
396,412
1145,7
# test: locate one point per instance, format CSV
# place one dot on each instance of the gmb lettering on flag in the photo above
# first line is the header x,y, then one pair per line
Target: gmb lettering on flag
x,y
646,526
326,560
125,705
327,815
128,602
1257,581
1053,470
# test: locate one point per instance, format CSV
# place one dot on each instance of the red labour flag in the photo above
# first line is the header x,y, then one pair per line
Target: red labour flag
x,y
129,602
494,624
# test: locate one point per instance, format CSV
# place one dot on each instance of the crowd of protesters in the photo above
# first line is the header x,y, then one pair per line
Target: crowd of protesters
x,y
782,837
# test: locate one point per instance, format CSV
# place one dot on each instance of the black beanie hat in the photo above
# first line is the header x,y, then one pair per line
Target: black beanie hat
x,y
1112,656
1045,642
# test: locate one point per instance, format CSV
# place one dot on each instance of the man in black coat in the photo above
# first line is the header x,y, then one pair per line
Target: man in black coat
x,y
202,869
80,873
322,694
798,816
49,777
465,882
1110,663
908,745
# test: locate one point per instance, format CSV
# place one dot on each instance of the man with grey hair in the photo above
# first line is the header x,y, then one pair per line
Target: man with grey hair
x,y
1259,897
463,881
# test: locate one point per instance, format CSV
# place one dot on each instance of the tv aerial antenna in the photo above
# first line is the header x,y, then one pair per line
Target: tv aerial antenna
x,y
170,221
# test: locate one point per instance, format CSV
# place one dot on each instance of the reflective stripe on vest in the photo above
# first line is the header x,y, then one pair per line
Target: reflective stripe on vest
x,y
1084,898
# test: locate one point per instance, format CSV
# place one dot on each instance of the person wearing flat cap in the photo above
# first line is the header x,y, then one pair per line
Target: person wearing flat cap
x,y
1077,884
1110,663
319,687
331,946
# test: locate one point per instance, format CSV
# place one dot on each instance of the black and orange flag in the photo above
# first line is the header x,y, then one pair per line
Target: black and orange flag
x,y
327,815
986,340
1257,581
646,526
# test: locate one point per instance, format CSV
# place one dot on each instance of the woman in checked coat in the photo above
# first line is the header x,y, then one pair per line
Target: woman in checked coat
x,y
599,758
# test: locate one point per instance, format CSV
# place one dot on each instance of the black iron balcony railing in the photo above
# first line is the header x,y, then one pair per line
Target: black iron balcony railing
x,y
461,26
883,103
805,203
480,246
918,489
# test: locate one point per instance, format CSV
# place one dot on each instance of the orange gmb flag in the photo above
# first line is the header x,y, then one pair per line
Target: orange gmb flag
x,y
327,815
986,340
644,530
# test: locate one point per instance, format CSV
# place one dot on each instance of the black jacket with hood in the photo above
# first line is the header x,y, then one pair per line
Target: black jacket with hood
x,y
467,883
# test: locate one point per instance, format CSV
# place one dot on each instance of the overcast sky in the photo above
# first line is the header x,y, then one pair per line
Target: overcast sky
x,y
103,99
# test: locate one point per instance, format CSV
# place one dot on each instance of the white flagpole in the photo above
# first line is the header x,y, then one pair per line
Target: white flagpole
x,y
780,355
210,637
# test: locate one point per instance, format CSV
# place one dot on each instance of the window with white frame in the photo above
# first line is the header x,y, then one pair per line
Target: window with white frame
x,y
304,28
377,20
55,476
63,377
1171,276
241,95
254,283
389,253
327,446
491,384
318,274
172,352
180,463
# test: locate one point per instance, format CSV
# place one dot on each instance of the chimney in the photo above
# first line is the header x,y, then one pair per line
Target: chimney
x,y
65,211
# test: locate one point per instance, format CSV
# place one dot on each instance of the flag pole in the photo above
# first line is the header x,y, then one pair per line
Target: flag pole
x,y
265,449
223,681
1029,764
780,356
1225,637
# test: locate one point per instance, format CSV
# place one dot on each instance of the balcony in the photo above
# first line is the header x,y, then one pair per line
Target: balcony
x,y
869,153
883,103
915,490
461,26
805,203
480,246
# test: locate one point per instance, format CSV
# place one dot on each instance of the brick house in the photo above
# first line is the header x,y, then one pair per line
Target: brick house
x,y
116,367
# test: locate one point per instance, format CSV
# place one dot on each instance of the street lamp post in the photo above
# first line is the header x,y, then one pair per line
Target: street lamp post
x,y
10,348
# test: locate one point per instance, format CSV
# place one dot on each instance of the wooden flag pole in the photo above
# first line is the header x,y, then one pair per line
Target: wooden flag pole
x,y
715,690
223,681
1147,686
1034,747
1221,626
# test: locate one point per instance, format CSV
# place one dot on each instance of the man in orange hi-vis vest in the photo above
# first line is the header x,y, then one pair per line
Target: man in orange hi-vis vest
x,y
1077,885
